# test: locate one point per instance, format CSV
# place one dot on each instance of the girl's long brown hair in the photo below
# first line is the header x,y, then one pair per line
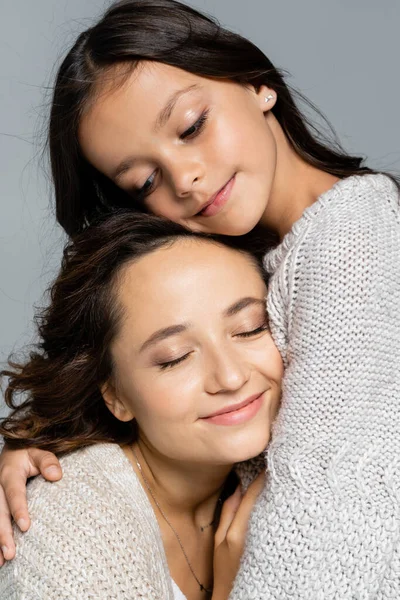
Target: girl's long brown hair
x,y
55,393
175,34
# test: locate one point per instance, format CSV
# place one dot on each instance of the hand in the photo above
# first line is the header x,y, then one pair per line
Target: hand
x,y
16,466
231,535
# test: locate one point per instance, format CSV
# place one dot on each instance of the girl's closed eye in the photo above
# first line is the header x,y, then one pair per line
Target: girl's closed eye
x,y
193,131
141,193
197,127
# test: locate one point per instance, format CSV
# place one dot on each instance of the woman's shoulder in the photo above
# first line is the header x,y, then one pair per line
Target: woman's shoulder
x,y
93,529
98,491
95,470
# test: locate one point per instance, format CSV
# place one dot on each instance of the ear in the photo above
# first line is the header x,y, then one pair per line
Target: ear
x,y
266,97
115,405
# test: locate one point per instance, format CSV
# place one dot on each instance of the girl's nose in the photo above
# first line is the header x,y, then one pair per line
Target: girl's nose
x,y
187,175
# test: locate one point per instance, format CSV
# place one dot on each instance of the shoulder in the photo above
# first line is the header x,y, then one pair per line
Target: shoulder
x,y
94,527
359,203
377,190
355,230
358,217
369,203
89,472
343,253
99,488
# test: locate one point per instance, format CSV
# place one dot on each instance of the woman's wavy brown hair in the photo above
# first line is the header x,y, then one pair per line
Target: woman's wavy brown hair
x,y
61,407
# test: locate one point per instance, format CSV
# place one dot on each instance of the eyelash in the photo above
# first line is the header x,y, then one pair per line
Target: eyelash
x,y
246,334
197,128
172,363
260,329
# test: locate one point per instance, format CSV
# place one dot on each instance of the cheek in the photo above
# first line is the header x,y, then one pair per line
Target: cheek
x,y
270,361
168,397
276,363
161,204
231,138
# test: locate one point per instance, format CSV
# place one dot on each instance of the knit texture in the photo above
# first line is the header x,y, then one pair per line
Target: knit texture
x,y
94,535
327,525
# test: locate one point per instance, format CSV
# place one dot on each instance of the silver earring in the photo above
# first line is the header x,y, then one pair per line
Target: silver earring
x,y
268,98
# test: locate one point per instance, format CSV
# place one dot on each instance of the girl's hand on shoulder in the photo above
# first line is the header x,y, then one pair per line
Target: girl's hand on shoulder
x,y
230,537
16,466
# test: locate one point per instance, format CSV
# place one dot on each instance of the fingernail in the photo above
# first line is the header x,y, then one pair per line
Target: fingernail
x,y
22,524
52,471
4,550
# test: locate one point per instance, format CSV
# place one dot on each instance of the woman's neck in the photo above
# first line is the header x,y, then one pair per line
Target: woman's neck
x,y
297,185
190,491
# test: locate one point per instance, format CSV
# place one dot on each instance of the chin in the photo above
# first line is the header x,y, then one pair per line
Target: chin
x,y
241,219
246,448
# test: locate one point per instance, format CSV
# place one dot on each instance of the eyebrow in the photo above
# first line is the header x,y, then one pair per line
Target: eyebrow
x,y
241,304
166,112
166,332
161,120
162,334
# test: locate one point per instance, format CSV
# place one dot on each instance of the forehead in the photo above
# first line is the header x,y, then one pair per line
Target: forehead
x,y
143,76
142,89
189,279
124,108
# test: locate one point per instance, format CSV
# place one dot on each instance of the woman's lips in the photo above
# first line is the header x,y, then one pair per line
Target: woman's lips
x,y
219,201
238,416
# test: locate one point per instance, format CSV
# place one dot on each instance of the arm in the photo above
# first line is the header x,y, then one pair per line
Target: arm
x,y
16,466
328,523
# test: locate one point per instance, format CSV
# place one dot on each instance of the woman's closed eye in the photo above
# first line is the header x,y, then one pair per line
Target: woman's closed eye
x,y
253,332
172,363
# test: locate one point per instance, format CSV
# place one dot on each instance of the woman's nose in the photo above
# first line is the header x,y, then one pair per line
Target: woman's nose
x,y
226,371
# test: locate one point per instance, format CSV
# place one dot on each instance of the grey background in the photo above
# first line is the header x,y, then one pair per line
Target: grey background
x,y
343,54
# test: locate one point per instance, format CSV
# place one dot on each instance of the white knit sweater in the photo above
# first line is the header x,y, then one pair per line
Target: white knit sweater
x,y
327,526
94,535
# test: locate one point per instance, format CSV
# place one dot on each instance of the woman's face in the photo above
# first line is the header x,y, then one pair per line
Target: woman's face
x,y
195,150
194,361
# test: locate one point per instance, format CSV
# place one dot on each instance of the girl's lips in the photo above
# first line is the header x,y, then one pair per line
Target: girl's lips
x,y
219,201
239,416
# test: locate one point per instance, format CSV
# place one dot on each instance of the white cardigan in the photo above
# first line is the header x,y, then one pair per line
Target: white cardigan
x,y
94,534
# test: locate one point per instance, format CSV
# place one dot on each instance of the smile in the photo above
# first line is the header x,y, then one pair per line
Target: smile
x,y
238,413
218,201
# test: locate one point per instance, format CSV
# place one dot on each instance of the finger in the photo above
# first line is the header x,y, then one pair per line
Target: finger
x,y
228,512
7,546
238,527
14,486
46,463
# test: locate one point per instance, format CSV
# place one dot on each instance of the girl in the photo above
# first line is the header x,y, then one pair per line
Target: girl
x,y
158,109
192,384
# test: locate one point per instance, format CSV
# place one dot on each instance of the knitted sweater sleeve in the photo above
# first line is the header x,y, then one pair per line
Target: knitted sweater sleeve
x,y
327,526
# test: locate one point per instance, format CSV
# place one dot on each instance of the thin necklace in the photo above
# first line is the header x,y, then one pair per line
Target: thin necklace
x,y
202,587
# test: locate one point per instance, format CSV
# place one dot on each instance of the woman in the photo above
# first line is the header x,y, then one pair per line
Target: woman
x,y
151,387
159,109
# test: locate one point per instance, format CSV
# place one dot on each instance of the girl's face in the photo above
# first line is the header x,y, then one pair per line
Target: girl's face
x,y
195,150
194,361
